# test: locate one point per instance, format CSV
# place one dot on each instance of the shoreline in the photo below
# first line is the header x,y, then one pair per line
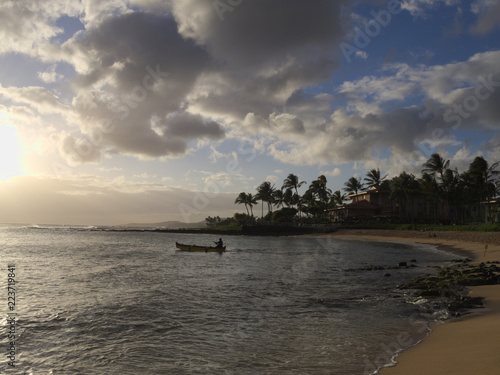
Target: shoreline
x,y
461,346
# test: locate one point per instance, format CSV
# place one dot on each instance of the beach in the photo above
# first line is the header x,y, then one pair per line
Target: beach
x,y
466,345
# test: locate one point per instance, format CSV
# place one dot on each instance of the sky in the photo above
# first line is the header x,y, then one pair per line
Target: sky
x,y
116,111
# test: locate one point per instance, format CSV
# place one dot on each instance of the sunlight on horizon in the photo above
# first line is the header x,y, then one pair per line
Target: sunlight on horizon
x,y
10,151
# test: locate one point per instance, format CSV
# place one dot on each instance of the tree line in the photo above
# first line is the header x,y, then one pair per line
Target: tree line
x,y
440,184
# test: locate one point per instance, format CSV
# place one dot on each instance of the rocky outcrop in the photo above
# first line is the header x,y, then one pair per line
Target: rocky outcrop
x,y
449,286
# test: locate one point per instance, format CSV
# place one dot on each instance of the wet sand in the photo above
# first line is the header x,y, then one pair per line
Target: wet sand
x,y
464,346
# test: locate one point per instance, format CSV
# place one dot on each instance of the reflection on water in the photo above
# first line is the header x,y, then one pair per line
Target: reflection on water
x,y
99,302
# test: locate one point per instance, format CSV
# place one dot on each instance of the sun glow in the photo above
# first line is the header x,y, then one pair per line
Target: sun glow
x,y
10,151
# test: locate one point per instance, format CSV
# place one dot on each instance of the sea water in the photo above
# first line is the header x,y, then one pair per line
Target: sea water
x,y
90,301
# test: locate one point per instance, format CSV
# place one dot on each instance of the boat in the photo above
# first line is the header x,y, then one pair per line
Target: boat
x,y
205,249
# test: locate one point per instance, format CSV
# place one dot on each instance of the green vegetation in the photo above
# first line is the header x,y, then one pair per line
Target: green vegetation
x,y
454,197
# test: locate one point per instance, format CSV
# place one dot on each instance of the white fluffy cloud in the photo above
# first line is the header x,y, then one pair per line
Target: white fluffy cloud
x,y
461,95
27,26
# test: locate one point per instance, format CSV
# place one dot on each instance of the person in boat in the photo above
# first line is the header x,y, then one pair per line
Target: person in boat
x,y
219,244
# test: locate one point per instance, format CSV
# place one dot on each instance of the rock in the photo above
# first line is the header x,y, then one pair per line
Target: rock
x,y
447,288
387,274
402,264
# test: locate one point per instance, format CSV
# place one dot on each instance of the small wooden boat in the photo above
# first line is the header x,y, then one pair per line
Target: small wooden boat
x,y
205,249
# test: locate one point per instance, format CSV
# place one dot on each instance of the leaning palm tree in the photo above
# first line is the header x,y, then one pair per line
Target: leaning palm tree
x,y
373,178
242,199
292,182
278,198
289,198
436,165
353,186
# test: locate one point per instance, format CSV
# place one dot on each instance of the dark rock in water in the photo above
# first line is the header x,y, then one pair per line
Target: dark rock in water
x,y
447,288
382,268
368,268
413,261
462,303
387,274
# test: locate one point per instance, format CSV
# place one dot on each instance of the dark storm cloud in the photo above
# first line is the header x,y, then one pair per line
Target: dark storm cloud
x,y
258,32
269,48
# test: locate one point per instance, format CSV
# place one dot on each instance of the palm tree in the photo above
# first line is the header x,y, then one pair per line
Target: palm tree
x,y
436,165
309,202
338,198
320,192
482,176
251,201
242,199
278,198
402,188
289,198
430,190
265,193
373,178
293,182
353,186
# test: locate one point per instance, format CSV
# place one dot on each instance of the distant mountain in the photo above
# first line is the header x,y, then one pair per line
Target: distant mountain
x,y
166,224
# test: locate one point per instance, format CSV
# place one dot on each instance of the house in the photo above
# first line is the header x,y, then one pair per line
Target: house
x,y
359,210
376,204
491,211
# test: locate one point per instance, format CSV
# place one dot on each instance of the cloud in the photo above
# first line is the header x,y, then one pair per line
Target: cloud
x,y
272,179
98,201
361,54
461,95
28,26
37,97
144,176
252,50
333,173
50,76
251,37
140,85
158,84
158,79
421,7
488,12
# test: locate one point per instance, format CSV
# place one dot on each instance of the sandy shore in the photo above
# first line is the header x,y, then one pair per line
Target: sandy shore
x,y
465,346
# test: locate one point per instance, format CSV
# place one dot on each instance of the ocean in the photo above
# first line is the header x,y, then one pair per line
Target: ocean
x,y
90,301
